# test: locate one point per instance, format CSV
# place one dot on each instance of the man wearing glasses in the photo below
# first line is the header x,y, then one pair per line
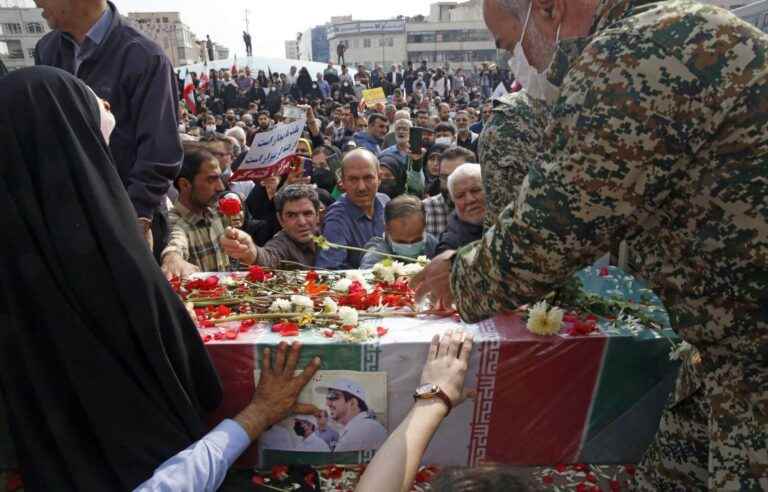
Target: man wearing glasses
x,y
347,405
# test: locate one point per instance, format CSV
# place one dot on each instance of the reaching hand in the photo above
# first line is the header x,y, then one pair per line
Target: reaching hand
x,y
447,364
278,389
435,281
270,185
238,245
175,266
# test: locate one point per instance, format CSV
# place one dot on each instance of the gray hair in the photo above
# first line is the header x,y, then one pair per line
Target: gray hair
x,y
403,206
291,193
402,114
237,133
467,170
403,123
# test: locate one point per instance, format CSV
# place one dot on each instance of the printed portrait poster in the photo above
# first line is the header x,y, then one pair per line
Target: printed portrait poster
x,y
354,415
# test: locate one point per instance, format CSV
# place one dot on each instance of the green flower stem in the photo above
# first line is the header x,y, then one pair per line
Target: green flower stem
x,y
325,244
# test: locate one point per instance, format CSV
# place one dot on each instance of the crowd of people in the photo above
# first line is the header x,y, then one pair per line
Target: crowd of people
x,y
639,121
362,183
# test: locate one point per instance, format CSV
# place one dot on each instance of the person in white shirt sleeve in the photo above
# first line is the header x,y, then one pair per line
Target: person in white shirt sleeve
x,y
347,405
305,426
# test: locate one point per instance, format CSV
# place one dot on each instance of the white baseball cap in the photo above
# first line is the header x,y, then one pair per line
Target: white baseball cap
x,y
347,385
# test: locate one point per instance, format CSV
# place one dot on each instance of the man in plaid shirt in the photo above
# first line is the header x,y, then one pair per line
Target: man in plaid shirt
x,y
196,225
439,207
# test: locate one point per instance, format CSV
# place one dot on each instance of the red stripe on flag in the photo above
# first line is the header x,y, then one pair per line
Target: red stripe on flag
x,y
189,93
542,394
235,364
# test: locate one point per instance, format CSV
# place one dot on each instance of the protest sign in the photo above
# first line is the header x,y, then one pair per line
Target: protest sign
x,y
271,152
372,97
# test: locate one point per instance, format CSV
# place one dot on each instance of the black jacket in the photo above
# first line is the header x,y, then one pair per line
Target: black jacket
x,y
458,233
133,74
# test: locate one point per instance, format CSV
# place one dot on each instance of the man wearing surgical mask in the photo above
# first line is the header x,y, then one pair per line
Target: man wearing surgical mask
x,y
654,138
404,234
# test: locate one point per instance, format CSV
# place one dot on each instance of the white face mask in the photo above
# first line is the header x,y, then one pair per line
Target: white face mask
x,y
106,118
533,81
444,141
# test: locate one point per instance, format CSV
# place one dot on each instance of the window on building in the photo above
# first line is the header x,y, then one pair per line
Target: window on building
x,y
34,27
390,42
165,20
421,37
181,53
11,49
31,53
765,21
382,42
11,28
366,42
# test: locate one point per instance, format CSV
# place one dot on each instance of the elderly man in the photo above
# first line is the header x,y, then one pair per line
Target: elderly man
x,y
464,136
298,212
373,137
358,215
465,224
681,178
404,234
439,207
91,40
389,138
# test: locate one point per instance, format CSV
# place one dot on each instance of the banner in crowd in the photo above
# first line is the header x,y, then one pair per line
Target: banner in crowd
x,y
372,97
271,152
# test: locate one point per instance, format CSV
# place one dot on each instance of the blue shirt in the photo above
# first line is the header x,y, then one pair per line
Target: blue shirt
x,y
93,38
203,465
401,156
346,224
367,141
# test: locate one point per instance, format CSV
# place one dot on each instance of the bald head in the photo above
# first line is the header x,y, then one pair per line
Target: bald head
x,y
360,178
359,157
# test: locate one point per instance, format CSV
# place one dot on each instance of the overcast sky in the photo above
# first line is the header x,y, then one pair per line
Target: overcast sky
x,y
272,21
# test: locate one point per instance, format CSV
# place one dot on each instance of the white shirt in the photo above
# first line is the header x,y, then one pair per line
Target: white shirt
x,y
313,443
361,433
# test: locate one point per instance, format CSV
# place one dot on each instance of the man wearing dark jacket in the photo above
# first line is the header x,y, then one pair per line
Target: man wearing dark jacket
x,y
465,224
91,40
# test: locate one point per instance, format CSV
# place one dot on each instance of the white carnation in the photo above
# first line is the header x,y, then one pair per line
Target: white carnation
x,y
342,285
383,272
356,275
302,304
330,306
544,321
348,316
412,269
398,268
280,306
422,260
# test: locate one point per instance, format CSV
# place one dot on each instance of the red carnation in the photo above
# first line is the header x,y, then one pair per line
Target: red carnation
x,y
547,479
328,333
257,480
231,334
312,276
381,331
256,274
604,272
310,480
279,472
229,206
245,325
223,311
333,472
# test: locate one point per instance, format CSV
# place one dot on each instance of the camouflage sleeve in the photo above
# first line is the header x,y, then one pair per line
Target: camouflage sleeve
x,y
510,142
610,149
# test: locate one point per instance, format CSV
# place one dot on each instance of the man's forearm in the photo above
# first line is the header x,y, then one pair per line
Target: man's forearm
x,y
252,420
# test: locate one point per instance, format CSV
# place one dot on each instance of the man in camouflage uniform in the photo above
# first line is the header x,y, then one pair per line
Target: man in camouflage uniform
x,y
659,136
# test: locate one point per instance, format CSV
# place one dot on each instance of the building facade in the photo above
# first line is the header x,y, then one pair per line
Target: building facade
x,y
453,34
167,30
369,43
314,44
20,30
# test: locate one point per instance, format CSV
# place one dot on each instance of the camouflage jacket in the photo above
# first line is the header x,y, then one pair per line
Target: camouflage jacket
x,y
511,141
659,137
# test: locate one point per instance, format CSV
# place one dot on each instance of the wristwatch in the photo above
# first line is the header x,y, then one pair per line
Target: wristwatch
x,y
431,391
